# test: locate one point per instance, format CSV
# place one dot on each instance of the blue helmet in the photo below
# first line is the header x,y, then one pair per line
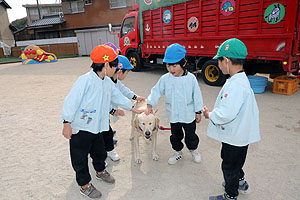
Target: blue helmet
x,y
174,53
124,63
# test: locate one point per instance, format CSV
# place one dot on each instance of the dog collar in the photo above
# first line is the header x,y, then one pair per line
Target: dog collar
x,y
138,129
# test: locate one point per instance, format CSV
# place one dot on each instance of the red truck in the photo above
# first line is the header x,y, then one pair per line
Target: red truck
x,y
270,30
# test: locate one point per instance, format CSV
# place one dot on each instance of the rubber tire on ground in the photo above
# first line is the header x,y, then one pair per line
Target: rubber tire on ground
x,y
211,73
136,61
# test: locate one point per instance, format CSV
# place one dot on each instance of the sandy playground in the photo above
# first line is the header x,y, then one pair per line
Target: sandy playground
x,y
35,162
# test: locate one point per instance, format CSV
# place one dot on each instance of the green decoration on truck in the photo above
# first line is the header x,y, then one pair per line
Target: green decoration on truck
x,y
274,13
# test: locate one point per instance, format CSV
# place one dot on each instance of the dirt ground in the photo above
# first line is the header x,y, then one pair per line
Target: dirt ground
x,y
35,162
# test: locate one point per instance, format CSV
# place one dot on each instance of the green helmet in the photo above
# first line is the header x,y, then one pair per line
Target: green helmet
x,y
232,48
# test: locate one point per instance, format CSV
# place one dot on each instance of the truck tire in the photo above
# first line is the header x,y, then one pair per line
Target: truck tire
x,y
136,61
211,73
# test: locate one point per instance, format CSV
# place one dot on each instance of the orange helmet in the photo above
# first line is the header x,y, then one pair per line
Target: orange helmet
x,y
103,54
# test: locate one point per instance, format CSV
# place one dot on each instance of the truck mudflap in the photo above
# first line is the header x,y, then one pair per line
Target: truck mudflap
x,y
292,65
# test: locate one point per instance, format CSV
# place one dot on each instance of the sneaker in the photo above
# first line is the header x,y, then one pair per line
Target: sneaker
x,y
113,155
222,197
105,176
243,188
196,156
176,156
91,192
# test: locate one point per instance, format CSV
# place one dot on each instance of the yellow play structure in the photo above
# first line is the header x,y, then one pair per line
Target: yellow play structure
x,y
34,54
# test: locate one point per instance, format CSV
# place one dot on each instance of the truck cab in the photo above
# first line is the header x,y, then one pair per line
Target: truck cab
x,y
130,36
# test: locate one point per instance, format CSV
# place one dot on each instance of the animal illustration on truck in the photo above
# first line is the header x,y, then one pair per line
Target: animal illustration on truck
x,y
275,14
167,16
227,6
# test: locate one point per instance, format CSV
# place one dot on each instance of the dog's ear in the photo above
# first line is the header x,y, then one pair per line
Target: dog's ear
x,y
156,124
135,122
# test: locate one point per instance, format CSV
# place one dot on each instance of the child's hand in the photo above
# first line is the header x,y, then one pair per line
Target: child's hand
x,y
205,112
67,131
119,112
138,98
198,118
149,109
137,111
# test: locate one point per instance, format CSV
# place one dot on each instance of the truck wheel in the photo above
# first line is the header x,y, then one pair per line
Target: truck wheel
x,y
211,74
135,61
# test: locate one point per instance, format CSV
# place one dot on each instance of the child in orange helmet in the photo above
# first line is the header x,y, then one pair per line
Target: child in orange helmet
x,y
85,115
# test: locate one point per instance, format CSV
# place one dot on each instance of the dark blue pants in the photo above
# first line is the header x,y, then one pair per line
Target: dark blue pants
x,y
82,144
233,161
108,139
191,139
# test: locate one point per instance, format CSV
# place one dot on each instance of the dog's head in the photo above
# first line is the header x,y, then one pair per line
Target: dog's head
x,y
146,124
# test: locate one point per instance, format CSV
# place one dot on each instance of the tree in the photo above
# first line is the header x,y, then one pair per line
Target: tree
x,y
20,23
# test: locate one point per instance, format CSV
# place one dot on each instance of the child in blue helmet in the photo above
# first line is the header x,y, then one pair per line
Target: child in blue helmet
x,y
121,72
183,102
234,121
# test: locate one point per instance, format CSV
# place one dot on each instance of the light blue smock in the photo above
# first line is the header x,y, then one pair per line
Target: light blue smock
x,y
183,97
88,103
235,117
124,90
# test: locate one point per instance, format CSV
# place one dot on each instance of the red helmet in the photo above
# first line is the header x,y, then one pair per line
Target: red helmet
x,y
103,54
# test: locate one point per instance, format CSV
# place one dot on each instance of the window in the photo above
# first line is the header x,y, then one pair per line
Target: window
x,y
77,6
68,34
47,35
127,26
88,2
33,11
70,7
55,10
117,4
44,11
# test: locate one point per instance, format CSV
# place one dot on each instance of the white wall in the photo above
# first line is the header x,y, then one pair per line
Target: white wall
x,y
47,41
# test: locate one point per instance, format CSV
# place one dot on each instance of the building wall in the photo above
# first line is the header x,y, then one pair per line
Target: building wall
x,y
45,9
5,33
96,14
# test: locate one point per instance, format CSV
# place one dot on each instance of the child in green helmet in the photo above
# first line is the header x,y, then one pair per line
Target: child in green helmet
x,y
234,121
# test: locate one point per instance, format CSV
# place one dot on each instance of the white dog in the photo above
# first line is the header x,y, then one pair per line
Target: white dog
x,y
144,126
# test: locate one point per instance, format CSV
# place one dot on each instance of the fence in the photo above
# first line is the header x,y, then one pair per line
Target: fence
x,y
57,49
58,46
1,53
